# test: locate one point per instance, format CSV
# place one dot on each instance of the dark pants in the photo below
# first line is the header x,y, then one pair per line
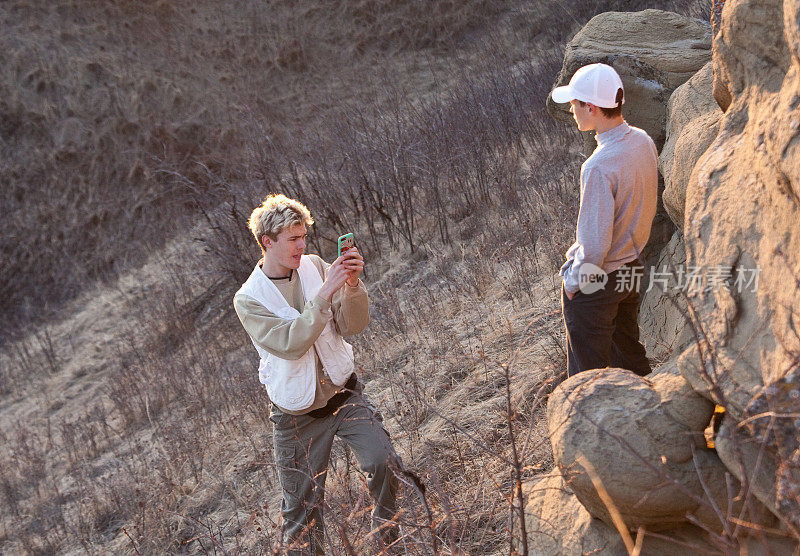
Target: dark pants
x,y
302,452
603,329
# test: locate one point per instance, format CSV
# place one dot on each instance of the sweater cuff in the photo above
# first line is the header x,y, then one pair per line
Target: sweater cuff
x,y
348,289
571,289
323,305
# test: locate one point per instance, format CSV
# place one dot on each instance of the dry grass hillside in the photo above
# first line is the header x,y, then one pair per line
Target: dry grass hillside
x,y
100,102
136,137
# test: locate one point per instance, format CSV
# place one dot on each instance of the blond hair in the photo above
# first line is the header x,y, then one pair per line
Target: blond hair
x,y
275,214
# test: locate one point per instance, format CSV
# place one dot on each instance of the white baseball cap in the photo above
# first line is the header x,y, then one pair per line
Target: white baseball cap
x,y
595,83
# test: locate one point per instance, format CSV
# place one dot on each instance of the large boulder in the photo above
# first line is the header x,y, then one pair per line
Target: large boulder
x,y
653,51
644,438
693,123
742,225
557,523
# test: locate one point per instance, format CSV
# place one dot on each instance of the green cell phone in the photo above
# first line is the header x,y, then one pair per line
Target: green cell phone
x,y
346,242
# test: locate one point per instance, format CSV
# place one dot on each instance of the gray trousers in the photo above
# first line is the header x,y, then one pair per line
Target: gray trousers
x,y
302,452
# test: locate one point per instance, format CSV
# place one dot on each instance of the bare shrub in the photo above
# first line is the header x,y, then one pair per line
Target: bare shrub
x,y
404,175
86,123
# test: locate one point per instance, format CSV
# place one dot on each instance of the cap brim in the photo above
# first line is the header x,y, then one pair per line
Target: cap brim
x,y
563,94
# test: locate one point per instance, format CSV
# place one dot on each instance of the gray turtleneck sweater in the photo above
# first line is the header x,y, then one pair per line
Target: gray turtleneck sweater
x,y
619,190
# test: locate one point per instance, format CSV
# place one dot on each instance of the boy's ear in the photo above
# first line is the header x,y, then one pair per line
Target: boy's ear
x,y
266,241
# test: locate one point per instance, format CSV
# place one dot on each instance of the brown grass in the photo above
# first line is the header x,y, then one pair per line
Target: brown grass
x,y
135,423
91,112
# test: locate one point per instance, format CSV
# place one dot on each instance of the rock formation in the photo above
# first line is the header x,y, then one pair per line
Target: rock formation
x,y
644,438
559,524
743,217
733,185
662,316
693,117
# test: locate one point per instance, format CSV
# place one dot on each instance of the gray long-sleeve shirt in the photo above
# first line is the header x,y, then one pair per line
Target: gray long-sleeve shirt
x,y
619,191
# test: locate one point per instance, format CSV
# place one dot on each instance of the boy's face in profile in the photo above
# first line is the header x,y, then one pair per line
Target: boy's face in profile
x,y
582,115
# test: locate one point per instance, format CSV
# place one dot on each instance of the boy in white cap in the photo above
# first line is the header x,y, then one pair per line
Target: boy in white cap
x,y
619,184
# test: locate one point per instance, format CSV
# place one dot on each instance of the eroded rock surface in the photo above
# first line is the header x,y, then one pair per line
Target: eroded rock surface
x,y
557,523
663,313
743,220
693,122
